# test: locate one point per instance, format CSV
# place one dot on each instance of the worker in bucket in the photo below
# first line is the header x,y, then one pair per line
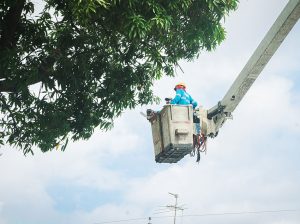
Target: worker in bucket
x,y
183,98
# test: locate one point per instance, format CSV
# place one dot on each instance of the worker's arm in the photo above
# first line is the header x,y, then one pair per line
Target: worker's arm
x,y
193,102
177,98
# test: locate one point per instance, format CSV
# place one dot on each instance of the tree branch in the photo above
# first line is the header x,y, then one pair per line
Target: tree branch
x,y
7,86
10,22
43,73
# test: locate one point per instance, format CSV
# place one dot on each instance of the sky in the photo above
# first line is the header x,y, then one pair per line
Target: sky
x,y
253,164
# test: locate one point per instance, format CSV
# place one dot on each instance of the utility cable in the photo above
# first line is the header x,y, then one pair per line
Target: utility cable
x,y
243,213
205,214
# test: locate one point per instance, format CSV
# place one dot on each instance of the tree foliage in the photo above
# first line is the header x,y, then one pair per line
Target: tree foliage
x,y
67,67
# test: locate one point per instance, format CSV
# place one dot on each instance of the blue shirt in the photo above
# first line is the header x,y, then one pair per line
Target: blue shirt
x,y
183,98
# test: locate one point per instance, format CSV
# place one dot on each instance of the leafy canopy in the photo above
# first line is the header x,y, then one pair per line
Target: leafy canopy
x,y
67,67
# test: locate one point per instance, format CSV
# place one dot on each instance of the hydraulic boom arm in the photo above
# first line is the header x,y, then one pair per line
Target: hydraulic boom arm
x,y
266,49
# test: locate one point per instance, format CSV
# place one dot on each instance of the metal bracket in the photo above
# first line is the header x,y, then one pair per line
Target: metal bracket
x,y
220,108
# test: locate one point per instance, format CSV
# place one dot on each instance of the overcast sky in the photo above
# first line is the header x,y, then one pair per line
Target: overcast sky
x,y
253,164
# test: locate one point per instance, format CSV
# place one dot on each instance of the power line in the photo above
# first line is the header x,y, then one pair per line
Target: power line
x,y
122,220
205,214
244,212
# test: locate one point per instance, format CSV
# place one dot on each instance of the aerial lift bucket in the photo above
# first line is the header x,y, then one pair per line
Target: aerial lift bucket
x,y
172,131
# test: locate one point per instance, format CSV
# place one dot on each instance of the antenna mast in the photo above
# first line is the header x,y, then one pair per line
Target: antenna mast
x,y
175,207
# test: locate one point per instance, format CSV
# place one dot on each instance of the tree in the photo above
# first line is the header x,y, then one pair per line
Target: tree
x,y
72,66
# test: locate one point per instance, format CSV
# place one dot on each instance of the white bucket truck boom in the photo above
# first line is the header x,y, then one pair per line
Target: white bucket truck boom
x,y
212,120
